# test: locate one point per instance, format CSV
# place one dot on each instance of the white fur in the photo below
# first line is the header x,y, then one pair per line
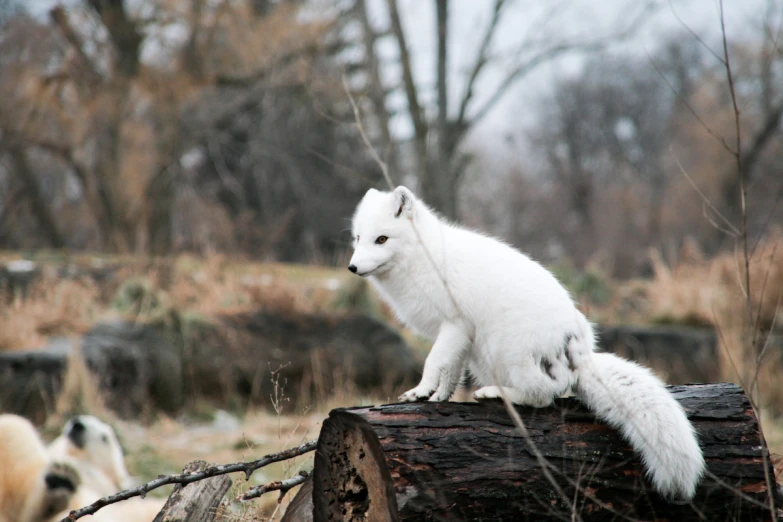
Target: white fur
x,y
97,455
99,460
490,307
27,493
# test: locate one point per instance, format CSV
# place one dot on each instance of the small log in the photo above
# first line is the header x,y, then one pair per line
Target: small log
x,y
196,502
467,461
301,507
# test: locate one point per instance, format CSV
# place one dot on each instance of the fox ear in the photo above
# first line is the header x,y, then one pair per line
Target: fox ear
x,y
403,201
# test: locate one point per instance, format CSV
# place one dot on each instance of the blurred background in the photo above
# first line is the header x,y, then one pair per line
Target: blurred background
x,y
177,179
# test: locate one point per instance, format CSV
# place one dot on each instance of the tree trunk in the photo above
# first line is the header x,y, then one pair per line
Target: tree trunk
x,y
38,204
453,461
196,502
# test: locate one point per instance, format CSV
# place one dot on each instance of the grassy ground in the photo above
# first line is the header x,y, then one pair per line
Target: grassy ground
x,y
167,445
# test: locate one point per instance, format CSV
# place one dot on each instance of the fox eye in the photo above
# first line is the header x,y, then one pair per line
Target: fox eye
x,y
381,240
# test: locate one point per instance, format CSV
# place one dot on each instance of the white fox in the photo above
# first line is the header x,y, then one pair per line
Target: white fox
x,y
492,308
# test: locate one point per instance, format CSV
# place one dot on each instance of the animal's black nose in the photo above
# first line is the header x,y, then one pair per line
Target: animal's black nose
x,y
77,426
78,433
352,268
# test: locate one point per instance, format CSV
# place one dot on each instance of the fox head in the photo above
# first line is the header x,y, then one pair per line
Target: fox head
x,y
382,230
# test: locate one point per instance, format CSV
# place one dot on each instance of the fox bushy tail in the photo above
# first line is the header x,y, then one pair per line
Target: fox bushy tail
x,y
634,401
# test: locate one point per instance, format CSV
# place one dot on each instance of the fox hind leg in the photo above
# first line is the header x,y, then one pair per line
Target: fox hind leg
x,y
514,395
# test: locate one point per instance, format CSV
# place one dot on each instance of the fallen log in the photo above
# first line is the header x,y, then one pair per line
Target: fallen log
x,y
196,502
468,461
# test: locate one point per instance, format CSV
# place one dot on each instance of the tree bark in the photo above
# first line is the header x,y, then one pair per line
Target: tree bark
x,y
38,203
453,461
375,89
196,502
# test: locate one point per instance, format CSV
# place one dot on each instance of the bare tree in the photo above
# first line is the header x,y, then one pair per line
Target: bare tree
x,y
610,128
158,147
762,77
438,134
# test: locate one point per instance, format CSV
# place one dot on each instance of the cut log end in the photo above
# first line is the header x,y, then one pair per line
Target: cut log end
x,y
351,479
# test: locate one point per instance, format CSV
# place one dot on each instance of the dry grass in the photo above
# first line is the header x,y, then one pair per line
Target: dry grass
x,y
710,292
139,290
696,291
54,307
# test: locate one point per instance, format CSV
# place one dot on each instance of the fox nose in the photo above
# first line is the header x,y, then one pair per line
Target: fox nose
x,y
352,268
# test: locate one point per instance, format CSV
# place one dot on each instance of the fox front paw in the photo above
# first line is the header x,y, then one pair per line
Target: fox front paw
x,y
443,393
419,393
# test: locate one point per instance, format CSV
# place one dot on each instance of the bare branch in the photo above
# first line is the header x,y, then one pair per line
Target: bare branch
x,y
738,158
419,124
186,478
279,485
548,54
441,70
768,129
123,33
695,35
770,480
40,207
540,458
88,75
358,117
688,106
482,58
376,91
731,228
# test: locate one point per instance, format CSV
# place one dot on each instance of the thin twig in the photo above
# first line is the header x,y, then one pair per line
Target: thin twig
x,y
695,35
283,486
540,458
769,479
731,228
186,478
358,117
482,58
688,105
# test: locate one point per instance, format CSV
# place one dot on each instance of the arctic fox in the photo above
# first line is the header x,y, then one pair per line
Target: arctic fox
x,y
492,308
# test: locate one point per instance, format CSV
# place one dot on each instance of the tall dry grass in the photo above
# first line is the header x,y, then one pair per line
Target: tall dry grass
x,y
55,305
712,292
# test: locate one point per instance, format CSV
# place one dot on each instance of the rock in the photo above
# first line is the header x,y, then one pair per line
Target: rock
x,y
141,369
138,368
225,422
30,381
16,278
306,356
683,354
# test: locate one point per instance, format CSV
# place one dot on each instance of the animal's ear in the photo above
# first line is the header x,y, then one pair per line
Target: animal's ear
x,y
403,202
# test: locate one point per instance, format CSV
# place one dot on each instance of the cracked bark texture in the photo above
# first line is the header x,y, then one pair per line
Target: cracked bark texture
x,y
467,461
